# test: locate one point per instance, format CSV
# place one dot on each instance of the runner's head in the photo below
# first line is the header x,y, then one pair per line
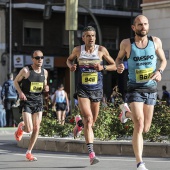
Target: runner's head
x,y
37,58
141,26
89,36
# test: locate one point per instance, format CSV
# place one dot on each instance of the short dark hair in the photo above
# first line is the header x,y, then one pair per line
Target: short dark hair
x,y
61,86
163,87
10,75
32,53
89,28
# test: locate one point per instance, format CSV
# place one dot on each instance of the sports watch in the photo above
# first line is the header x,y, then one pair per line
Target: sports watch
x,y
104,66
160,71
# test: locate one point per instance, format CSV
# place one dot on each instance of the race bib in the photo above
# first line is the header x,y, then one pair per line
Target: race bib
x,y
143,76
36,87
89,78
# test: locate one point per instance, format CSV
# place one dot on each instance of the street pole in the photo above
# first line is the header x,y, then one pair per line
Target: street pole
x,y
10,36
71,26
72,74
95,21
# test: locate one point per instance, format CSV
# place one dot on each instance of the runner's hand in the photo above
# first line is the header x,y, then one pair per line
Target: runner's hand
x,y
73,67
156,76
46,88
98,67
120,68
22,96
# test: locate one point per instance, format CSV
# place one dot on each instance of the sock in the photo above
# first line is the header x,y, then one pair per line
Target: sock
x,y
22,128
80,123
90,147
139,164
28,151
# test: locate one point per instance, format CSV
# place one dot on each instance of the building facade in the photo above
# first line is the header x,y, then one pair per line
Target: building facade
x,y
3,54
30,31
158,13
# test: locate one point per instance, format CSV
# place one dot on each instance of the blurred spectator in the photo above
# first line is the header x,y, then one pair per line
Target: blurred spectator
x,y
165,95
61,102
47,104
0,91
114,94
52,96
9,96
2,116
104,101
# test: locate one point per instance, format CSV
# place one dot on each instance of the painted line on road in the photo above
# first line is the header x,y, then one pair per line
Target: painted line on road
x,y
121,159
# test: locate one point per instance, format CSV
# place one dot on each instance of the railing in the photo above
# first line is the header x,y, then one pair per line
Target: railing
x,y
121,5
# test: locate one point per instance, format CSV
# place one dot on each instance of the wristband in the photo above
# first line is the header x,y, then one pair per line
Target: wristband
x,y
104,67
161,72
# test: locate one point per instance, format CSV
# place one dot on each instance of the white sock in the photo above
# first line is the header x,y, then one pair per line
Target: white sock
x,y
28,151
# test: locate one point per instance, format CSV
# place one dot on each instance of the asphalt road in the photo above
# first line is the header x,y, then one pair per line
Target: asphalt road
x,y
13,158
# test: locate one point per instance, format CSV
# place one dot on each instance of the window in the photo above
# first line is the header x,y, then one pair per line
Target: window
x,y
33,33
97,4
110,36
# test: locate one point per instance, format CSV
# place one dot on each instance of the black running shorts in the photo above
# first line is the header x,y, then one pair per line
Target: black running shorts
x,y
93,95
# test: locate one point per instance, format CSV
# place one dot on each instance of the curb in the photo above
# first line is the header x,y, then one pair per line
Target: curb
x,y
115,148
8,130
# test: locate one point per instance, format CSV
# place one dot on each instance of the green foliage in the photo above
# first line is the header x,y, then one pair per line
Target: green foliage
x,y
108,125
160,123
48,125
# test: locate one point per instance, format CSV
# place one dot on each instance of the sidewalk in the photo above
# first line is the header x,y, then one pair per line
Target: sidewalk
x,y
116,148
7,130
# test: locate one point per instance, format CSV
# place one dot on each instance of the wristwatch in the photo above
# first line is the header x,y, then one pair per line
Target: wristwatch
x,y
104,67
160,71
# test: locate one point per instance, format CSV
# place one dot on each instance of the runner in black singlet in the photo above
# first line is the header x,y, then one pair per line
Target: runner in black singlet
x,y
30,83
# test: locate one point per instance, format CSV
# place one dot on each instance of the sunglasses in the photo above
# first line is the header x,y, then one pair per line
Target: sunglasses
x,y
38,57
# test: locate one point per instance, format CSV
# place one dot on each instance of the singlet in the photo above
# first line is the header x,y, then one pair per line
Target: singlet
x,y
88,77
60,96
33,86
141,64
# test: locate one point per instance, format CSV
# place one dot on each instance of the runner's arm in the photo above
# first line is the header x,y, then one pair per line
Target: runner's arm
x,y
21,75
46,87
120,57
160,53
157,76
72,57
111,63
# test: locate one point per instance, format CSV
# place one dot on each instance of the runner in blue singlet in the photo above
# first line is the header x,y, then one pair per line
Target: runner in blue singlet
x,y
142,52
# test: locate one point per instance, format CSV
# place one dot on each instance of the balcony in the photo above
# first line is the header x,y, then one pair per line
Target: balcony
x,y
119,5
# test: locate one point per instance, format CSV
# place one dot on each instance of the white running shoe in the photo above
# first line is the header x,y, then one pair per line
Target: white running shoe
x,y
125,108
142,167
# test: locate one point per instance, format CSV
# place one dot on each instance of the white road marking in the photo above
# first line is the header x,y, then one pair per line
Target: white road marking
x,y
121,159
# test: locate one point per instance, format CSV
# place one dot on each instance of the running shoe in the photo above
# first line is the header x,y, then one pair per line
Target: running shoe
x,y
124,107
19,133
93,158
79,126
142,167
30,157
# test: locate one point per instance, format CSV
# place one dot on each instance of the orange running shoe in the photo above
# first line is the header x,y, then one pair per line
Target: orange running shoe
x,y
19,132
30,157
